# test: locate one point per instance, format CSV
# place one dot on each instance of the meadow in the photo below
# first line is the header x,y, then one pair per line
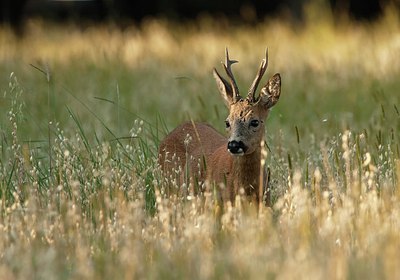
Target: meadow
x,y
82,111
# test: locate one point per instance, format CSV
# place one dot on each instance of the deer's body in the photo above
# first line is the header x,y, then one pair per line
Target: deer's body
x,y
207,158
197,151
189,146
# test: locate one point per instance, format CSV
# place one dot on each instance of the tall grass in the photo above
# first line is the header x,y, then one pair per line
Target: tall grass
x,y
83,111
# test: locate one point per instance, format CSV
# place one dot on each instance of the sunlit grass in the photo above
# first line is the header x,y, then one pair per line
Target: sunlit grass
x,y
83,109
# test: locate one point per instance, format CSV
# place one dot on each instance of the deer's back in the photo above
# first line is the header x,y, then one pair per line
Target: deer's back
x,y
192,144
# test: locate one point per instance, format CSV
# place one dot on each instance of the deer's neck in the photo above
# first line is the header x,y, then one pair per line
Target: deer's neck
x,y
246,171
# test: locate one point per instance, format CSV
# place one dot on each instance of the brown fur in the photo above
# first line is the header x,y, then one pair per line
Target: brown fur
x,y
198,150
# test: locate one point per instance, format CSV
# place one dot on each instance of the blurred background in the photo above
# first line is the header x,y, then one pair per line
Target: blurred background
x,y
110,53
15,13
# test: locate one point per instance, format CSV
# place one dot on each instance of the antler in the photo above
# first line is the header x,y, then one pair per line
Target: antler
x,y
228,70
260,73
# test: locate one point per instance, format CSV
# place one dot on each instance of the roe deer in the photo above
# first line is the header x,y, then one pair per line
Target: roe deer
x,y
202,154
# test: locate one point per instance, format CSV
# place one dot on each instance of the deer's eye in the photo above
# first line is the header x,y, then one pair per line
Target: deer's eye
x,y
227,124
254,123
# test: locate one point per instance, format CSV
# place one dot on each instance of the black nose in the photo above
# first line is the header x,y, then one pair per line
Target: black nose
x,y
236,147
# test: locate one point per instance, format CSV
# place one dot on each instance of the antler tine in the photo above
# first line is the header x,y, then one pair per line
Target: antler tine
x,y
228,70
260,73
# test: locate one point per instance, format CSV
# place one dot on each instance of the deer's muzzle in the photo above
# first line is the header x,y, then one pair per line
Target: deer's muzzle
x,y
236,147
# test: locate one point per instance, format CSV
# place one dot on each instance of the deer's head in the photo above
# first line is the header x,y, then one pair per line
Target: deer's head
x,y
245,122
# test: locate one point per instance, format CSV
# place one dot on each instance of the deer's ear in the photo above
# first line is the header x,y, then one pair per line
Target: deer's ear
x,y
271,92
224,88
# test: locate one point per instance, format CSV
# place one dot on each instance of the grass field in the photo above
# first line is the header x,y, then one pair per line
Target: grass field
x,y
82,111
